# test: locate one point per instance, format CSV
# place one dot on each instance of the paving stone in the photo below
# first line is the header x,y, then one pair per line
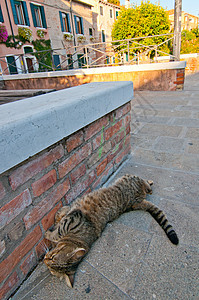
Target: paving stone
x,y
161,130
89,284
169,144
193,146
118,254
193,133
168,273
184,218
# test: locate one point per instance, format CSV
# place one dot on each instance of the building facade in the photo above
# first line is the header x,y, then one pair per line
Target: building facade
x,y
65,26
188,21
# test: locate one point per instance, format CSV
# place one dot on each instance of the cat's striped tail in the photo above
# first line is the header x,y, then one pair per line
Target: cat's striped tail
x,y
160,218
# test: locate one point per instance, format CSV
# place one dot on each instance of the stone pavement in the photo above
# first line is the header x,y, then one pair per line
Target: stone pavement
x,y
134,259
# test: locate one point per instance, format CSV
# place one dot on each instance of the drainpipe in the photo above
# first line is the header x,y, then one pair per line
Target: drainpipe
x,y
10,23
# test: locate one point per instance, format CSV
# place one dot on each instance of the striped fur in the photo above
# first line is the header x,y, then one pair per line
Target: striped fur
x,y
84,221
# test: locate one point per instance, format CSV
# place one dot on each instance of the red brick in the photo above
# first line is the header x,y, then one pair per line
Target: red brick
x,y
101,179
128,129
74,141
46,204
109,132
44,183
9,285
122,155
70,163
27,171
123,110
95,127
75,175
180,74
2,190
127,120
13,208
42,248
115,151
49,219
101,167
16,256
28,263
179,82
98,140
119,136
80,187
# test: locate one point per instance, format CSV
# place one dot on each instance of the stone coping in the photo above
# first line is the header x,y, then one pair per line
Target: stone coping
x,y
101,70
31,125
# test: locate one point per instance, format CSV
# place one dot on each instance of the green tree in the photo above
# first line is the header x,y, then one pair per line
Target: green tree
x,y
189,41
139,21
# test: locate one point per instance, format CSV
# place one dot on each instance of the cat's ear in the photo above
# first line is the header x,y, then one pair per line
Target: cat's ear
x,y
150,182
69,280
78,253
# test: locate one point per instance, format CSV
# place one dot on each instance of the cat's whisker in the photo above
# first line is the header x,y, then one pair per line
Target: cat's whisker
x,y
45,247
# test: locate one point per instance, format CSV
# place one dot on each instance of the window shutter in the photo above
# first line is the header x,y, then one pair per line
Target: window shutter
x,y
61,21
1,16
33,14
76,24
43,17
25,13
14,11
68,19
82,26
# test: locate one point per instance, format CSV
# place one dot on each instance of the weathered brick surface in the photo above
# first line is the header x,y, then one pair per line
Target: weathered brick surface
x,y
44,183
77,174
70,163
80,187
2,190
13,208
49,220
109,132
27,171
10,283
74,141
28,263
101,167
14,258
40,186
95,127
46,204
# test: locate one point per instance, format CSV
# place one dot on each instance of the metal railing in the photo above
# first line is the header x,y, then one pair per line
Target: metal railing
x,y
115,53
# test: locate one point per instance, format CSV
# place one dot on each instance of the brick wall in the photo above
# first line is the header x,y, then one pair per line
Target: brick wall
x,y
154,77
32,192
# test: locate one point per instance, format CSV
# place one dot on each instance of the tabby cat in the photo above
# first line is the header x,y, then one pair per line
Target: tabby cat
x,y
77,227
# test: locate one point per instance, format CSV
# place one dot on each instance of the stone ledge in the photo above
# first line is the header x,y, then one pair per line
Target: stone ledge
x,y
31,125
101,70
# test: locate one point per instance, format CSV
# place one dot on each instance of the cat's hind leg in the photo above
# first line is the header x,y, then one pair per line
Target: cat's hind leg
x,y
160,218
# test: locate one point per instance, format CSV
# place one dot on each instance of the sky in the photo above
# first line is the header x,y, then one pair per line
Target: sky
x,y
189,6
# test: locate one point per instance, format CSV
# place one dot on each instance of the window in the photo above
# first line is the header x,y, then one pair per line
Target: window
x,y
103,36
117,14
65,22
81,60
101,10
111,13
20,13
56,61
70,61
1,16
11,65
38,16
79,25
91,31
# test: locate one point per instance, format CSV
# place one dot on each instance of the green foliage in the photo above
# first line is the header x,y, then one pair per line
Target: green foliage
x,y
40,33
44,57
116,2
189,41
140,21
196,31
25,34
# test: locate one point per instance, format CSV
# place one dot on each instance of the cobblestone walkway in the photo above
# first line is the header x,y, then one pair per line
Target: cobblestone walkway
x,y
133,259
